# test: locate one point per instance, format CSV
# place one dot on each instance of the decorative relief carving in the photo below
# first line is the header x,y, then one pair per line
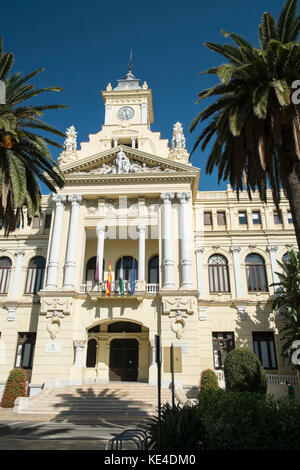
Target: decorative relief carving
x,y
123,165
178,151
188,304
50,304
70,146
178,325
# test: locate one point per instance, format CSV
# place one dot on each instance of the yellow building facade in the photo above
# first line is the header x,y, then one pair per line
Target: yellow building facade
x,y
130,249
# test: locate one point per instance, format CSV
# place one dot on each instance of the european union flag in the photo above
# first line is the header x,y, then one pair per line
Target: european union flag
x,y
133,278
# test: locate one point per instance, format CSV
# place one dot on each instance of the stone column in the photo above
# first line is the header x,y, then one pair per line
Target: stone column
x,y
70,263
167,241
142,247
144,113
200,271
185,241
100,230
152,381
60,199
272,250
237,271
79,348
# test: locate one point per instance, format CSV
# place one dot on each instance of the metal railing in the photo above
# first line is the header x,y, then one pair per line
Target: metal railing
x,y
92,286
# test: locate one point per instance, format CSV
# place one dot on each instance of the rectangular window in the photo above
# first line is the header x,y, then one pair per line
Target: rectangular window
x,y
290,218
221,218
35,222
207,218
264,348
48,221
243,218
25,351
256,218
277,217
222,344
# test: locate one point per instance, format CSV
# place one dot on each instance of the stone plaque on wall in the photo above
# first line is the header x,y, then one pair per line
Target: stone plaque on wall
x,y
52,347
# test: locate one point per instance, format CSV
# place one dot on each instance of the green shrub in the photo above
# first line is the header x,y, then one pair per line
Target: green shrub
x,y
16,386
248,421
244,372
180,429
209,381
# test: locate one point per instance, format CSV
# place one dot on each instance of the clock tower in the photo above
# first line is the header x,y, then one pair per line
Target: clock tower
x,y
128,103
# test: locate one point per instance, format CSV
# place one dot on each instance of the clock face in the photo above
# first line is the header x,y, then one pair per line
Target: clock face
x,y
126,112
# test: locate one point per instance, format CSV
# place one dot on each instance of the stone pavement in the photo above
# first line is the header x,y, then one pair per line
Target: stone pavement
x,y
46,432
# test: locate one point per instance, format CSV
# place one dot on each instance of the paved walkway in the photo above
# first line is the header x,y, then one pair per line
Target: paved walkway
x,y
45,432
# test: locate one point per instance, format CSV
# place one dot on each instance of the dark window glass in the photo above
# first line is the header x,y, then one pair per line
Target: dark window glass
x,y
91,355
256,274
153,270
218,274
207,218
127,268
5,272
120,326
25,350
221,218
256,217
264,348
35,275
48,221
243,218
277,217
91,269
222,344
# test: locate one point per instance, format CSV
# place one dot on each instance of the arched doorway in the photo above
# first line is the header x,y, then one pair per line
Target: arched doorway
x,y
124,360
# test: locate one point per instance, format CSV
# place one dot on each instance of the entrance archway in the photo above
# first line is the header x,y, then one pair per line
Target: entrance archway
x,y
124,360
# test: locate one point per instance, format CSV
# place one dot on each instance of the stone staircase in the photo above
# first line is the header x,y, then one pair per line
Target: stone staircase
x,y
97,401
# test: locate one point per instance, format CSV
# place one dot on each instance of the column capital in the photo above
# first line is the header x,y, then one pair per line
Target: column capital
x,y
59,198
272,248
75,199
235,249
20,252
100,229
183,197
167,197
141,228
199,249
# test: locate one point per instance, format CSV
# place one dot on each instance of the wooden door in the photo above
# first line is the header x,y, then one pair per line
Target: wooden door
x,y
124,359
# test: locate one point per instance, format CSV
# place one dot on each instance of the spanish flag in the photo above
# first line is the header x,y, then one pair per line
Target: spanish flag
x,y
108,284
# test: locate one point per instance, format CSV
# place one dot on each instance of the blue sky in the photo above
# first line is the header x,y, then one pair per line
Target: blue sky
x,y
84,45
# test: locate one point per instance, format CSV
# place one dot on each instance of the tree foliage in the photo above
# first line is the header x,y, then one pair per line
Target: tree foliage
x,y
287,302
25,158
244,372
252,123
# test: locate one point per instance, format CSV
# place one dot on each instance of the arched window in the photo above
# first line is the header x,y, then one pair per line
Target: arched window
x,y
35,276
153,270
286,258
5,270
218,274
256,273
91,269
91,355
127,268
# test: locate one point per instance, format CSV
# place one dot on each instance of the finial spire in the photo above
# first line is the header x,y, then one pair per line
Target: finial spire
x,y
130,62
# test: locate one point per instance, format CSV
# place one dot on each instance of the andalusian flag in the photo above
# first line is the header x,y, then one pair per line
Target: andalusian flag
x,y
108,284
121,282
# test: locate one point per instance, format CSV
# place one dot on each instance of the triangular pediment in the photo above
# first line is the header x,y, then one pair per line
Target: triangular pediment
x,y
124,161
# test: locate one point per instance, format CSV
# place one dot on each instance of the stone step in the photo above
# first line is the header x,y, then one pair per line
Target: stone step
x,y
117,399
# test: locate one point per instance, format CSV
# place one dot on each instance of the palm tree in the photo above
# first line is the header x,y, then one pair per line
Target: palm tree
x,y
255,116
24,154
287,301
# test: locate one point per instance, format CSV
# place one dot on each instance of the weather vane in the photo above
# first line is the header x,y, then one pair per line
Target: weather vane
x,y
130,65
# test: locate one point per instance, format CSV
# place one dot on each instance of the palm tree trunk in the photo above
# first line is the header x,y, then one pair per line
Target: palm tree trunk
x,y
290,176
